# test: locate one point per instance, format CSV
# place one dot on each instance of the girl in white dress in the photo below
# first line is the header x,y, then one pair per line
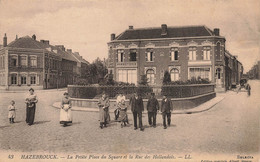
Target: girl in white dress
x,y
11,113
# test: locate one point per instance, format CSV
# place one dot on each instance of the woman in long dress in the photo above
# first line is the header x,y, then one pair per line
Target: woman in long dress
x,y
121,97
30,101
122,113
65,111
103,105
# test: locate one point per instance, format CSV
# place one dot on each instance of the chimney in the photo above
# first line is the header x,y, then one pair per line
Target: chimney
x,y
164,29
5,41
34,37
113,36
216,31
131,27
69,50
16,37
61,47
47,42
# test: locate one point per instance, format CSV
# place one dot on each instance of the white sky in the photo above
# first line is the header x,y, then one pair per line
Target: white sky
x,y
85,26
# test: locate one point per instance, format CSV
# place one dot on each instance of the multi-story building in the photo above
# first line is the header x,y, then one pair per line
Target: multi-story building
x,y
233,70
26,62
185,52
254,72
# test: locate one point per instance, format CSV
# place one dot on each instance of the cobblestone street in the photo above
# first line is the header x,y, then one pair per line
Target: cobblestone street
x,y
231,126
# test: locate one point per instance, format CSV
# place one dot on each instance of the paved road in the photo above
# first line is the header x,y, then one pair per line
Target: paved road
x,y
232,126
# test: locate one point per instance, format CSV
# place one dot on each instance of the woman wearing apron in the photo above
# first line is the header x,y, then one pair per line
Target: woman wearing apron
x,y
65,111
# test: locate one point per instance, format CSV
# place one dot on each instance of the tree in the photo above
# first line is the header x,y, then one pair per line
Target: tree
x,y
144,80
166,77
96,71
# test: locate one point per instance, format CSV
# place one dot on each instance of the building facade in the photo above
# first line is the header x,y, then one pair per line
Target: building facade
x,y
254,72
185,52
26,62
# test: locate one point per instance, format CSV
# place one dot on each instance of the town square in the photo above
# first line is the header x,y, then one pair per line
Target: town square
x,y
134,80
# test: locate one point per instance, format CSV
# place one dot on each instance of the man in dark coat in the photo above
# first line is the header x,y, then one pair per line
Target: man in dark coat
x,y
152,108
166,109
137,107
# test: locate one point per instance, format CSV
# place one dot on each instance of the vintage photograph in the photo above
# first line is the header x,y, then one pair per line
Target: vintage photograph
x,y
130,80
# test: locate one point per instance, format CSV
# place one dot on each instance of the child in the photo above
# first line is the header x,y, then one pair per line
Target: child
x,y
11,114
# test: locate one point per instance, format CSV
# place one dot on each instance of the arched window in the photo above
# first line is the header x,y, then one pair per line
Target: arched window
x,y
174,74
218,51
150,76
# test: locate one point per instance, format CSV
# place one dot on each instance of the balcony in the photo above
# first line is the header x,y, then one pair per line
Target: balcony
x,y
199,62
126,64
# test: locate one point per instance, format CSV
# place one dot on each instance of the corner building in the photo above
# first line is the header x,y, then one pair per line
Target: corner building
x,y
185,52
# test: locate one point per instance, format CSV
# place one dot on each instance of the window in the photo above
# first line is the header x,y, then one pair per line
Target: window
x,y
23,79
192,53
120,54
33,79
206,53
14,79
203,73
33,61
174,54
174,74
218,51
150,76
14,61
132,55
23,60
127,75
149,55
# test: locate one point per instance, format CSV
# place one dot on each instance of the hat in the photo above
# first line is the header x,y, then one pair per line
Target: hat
x,y
31,89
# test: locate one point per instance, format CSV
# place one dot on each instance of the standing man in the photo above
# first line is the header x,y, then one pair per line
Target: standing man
x,y
166,109
137,107
248,88
152,108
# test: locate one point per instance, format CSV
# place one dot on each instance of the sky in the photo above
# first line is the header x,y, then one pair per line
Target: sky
x,y
85,26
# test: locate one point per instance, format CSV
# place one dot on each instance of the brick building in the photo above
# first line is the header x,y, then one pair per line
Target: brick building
x,y
254,72
233,70
26,62
186,52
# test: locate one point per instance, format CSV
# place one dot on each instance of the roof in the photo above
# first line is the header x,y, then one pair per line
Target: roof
x,y
172,32
79,58
28,42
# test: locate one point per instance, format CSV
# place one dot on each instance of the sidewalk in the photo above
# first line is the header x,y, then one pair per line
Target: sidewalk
x,y
203,107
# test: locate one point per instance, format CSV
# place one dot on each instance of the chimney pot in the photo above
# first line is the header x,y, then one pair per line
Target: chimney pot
x,y
34,37
131,27
113,36
164,29
47,42
69,50
216,31
5,40
16,37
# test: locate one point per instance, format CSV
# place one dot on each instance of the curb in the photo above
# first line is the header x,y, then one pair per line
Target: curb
x,y
201,108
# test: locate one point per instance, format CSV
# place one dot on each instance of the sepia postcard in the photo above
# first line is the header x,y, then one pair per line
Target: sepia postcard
x,y
130,80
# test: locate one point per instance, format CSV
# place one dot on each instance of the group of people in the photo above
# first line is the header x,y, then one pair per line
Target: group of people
x,y
30,102
137,108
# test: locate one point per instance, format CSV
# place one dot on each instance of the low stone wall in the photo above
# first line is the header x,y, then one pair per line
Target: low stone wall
x,y
178,103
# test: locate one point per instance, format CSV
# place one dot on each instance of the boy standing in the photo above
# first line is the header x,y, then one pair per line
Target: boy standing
x,y
166,108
